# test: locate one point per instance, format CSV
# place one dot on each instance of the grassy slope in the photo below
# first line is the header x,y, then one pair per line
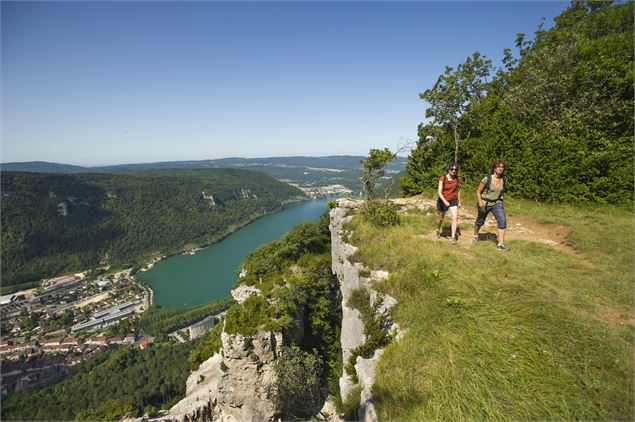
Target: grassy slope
x,y
533,333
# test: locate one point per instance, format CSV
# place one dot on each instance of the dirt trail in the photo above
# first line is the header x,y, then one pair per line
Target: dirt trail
x,y
519,227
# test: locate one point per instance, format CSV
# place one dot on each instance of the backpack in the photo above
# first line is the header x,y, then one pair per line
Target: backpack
x,y
488,183
458,183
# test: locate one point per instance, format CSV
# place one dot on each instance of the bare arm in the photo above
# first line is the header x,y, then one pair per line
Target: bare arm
x,y
479,191
440,192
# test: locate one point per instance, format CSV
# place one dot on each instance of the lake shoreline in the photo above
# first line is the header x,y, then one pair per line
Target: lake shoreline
x,y
198,247
212,271
231,229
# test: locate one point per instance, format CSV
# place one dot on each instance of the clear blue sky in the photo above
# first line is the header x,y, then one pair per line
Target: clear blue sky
x,y
94,83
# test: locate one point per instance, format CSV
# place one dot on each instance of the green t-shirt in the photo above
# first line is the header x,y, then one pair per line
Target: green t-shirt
x,y
494,193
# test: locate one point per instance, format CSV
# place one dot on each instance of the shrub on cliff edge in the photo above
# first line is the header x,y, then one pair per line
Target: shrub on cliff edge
x,y
299,392
381,214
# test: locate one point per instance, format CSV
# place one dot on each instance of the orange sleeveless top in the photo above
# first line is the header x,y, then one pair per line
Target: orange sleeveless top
x,y
450,188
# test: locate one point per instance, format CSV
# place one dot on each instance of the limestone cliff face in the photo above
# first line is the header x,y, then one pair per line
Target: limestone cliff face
x,y
352,334
236,384
246,386
201,392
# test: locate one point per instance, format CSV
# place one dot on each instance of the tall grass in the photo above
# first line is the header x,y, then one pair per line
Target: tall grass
x,y
534,333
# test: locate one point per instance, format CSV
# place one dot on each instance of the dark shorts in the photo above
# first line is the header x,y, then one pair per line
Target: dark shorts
x,y
441,206
499,213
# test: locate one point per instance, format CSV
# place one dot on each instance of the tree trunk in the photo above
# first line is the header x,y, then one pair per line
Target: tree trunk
x,y
456,144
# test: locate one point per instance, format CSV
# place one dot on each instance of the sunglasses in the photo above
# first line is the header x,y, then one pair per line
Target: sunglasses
x,y
453,169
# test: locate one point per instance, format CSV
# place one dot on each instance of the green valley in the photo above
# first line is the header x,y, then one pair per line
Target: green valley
x,y
55,223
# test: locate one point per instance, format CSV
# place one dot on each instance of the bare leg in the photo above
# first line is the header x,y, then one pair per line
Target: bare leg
x,y
440,217
501,235
455,220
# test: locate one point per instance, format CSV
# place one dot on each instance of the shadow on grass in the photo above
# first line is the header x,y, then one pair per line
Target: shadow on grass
x,y
484,237
447,232
410,399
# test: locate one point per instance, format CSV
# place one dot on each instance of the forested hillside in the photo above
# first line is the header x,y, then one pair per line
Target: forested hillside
x,y
119,381
53,223
559,111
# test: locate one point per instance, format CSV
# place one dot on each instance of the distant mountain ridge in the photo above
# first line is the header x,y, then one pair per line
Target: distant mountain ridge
x,y
42,167
333,161
344,170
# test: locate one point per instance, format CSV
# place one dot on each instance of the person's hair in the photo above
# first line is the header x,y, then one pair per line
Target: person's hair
x,y
496,164
452,164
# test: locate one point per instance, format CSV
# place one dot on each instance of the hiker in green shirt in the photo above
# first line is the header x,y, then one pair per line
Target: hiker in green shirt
x,y
489,196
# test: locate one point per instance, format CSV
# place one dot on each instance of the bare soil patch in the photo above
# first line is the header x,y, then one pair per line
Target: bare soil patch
x,y
93,299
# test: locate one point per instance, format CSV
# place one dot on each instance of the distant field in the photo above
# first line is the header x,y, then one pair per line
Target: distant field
x,y
537,333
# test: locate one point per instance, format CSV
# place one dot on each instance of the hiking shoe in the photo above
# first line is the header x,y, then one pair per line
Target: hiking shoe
x,y
474,239
453,241
503,247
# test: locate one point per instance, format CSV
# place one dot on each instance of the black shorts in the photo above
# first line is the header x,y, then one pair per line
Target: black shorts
x,y
441,206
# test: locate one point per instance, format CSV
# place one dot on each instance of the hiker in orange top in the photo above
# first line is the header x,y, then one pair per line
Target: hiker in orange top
x,y
449,191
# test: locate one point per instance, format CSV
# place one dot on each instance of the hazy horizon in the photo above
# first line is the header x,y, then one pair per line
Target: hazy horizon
x,y
193,160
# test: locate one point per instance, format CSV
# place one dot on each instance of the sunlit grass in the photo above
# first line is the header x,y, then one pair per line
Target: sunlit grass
x,y
534,333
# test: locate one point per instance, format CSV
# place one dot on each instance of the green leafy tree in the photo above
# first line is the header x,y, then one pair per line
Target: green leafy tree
x,y
425,160
454,92
560,112
572,89
304,292
374,169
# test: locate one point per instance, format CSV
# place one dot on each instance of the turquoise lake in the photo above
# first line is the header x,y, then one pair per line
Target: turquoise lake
x,y
187,280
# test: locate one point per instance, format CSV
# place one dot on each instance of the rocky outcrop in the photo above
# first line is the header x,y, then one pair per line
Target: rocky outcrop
x,y
352,333
246,387
242,292
201,391
365,369
236,384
